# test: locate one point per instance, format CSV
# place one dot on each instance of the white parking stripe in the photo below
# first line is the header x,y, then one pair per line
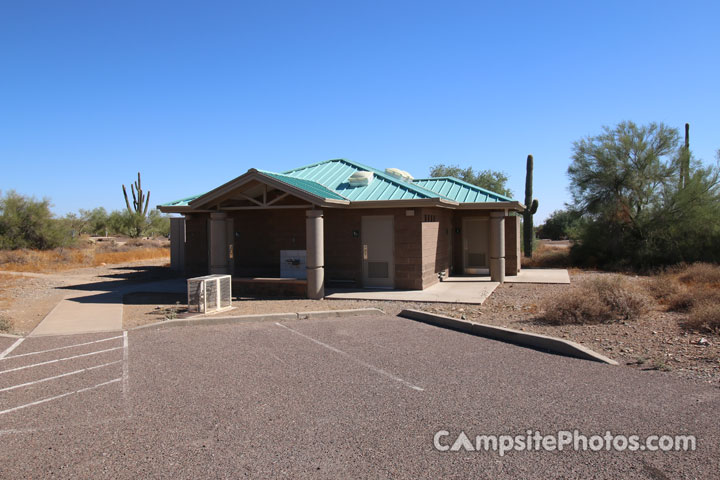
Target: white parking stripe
x,y
47,379
56,397
58,348
59,360
126,367
356,360
11,348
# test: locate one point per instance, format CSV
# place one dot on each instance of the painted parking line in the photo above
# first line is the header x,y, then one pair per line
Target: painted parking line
x,y
62,395
59,360
356,360
47,379
11,348
5,357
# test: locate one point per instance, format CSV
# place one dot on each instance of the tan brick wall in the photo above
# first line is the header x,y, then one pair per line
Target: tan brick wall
x,y
436,232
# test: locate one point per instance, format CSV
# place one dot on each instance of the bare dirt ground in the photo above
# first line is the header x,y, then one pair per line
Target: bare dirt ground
x,y
26,298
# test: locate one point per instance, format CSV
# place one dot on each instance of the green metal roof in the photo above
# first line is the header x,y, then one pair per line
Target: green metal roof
x,y
334,175
307,185
329,180
462,192
181,203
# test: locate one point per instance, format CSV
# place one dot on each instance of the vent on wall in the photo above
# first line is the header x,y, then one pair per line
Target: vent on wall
x,y
211,293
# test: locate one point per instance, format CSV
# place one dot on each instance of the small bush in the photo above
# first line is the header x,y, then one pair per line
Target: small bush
x,y
662,287
688,298
600,300
5,324
700,274
704,317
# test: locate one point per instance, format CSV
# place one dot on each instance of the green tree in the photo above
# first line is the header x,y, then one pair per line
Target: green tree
x,y
28,223
559,225
635,212
487,179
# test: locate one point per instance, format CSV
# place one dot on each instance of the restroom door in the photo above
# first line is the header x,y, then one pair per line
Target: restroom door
x,y
475,245
378,242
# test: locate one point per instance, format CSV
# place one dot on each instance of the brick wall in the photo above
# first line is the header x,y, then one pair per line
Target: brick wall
x,y
196,244
436,232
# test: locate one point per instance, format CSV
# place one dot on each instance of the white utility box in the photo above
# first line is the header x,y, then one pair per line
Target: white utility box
x,y
292,264
211,293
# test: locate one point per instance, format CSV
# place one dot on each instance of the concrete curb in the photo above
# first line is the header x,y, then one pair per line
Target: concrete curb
x,y
517,337
271,317
9,335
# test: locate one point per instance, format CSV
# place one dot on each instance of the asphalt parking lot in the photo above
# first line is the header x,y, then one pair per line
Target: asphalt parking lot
x,y
331,398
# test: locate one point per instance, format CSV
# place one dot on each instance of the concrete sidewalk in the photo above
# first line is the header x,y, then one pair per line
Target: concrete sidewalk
x,y
471,290
97,311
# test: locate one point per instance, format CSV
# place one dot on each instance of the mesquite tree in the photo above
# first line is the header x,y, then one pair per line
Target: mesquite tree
x,y
140,205
531,206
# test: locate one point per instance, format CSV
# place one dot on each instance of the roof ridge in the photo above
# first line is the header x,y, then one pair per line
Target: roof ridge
x,y
467,184
268,172
391,178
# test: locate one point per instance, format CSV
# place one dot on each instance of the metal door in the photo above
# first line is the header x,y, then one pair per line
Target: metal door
x,y
475,233
378,251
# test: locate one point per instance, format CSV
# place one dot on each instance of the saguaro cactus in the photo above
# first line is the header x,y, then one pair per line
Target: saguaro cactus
x,y
685,159
140,205
138,199
531,206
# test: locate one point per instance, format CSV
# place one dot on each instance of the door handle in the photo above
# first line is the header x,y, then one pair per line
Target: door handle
x,y
365,256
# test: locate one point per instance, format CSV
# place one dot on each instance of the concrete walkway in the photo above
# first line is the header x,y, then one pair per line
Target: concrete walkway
x,y
474,290
461,289
97,311
541,275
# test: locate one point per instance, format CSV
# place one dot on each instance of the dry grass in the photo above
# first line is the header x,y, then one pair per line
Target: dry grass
x,y
89,256
601,300
692,289
705,274
704,317
545,256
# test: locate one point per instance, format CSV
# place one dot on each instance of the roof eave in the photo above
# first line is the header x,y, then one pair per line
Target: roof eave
x,y
514,205
415,202
254,174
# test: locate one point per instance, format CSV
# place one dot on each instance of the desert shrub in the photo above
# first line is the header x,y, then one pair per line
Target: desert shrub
x,y
699,273
575,306
600,300
690,297
5,324
704,317
662,287
625,300
28,223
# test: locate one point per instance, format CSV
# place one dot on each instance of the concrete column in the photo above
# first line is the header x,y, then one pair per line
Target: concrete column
x,y
315,262
497,246
217,243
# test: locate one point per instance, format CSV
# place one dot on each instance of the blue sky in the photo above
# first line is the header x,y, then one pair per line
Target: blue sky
x,y
193,94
